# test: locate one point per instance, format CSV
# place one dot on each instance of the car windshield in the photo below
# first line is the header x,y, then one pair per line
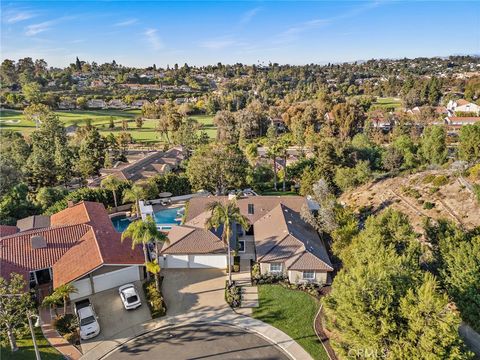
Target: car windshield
x,y
86,321
132,299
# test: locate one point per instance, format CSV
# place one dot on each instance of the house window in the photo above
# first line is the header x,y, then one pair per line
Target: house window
x,y
309,275
251,209
241,246
275,267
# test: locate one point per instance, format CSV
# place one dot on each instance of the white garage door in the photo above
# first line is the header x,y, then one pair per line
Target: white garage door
x,y
116,278
83,289
208,261
176,261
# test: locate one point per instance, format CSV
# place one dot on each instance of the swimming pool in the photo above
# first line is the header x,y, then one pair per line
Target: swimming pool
x,y
169,216
120,223
164,217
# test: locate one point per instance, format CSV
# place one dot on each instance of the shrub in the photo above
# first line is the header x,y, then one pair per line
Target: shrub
x,y
476,189
232,295
474,172
309,288
411,192
428,178
440,180
65,324
428,205
154,299
434,189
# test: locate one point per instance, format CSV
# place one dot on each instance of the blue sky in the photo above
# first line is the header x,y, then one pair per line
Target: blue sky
x,y
141,33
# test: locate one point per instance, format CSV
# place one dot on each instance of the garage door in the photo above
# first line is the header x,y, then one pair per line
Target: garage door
x,y
176,261
116,278
208,261
83,289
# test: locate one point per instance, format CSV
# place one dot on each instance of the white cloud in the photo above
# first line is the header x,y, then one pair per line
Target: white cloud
x,y
35,29
15,17
293,32
218,43
153,38
249,15
126,22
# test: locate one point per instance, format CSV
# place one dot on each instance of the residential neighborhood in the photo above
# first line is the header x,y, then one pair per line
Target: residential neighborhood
x,y
239,180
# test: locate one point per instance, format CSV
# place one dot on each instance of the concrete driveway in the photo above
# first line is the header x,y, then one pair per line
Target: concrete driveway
x,y
188,290
113,317
199,341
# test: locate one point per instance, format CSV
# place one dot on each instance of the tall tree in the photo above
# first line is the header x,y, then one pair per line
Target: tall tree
x,y
434,146
228,216
112,183
217,167
273,149
143,232
50,162
14,305
469,147
91,154
431,326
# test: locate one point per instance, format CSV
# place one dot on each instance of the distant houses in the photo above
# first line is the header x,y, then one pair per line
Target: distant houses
x,y
456,107
144,165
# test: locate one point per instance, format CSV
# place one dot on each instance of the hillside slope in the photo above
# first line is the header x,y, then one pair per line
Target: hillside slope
x,y
434,194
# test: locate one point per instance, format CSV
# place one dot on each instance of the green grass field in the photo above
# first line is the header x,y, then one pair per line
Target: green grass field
x,y
14,120
388,102
293,312
26,351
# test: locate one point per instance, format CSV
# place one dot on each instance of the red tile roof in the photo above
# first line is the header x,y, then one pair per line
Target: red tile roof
x,y
6,230
18,255
193,240
71,255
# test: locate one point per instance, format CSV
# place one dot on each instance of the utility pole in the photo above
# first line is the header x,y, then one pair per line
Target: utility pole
x,y
34,339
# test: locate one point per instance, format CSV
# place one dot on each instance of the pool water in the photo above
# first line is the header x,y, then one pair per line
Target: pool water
x,y
161,217
120,223
168,216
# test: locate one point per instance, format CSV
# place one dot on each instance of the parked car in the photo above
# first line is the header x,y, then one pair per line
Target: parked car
x,y
88,320
129,295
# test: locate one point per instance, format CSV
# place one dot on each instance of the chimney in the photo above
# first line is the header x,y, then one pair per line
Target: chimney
x,y
38,242
70,203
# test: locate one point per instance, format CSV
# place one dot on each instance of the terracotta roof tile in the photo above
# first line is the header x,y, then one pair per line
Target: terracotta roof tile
x,y
71,255
193,240
6,230
18,255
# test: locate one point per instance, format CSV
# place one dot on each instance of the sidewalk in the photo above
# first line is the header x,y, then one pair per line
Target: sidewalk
x,y
55,339
226,317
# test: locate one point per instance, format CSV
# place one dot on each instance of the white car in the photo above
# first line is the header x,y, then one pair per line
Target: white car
x,y
89,326
129,295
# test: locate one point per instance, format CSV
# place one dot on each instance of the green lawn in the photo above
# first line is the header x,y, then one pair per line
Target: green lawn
x,y
291,311
26,351
388,102
14,120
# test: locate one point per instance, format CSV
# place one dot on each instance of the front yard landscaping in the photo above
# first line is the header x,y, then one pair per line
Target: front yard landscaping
x,y
26,351
293,312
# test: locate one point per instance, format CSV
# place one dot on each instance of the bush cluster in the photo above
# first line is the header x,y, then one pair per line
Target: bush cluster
x,y
232,295
309,288
155,299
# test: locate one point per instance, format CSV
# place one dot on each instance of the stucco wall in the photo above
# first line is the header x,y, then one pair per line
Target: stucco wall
x,y
265,268
296,276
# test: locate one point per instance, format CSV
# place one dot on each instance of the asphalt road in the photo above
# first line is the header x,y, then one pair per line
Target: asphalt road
x,y
198,342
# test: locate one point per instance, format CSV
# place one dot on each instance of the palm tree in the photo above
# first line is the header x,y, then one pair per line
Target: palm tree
x,y
143,232
51,301
283,150
112,183
63,292
139,191
227,215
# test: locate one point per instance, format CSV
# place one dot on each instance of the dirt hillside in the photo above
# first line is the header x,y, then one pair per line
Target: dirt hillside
x,y
434,194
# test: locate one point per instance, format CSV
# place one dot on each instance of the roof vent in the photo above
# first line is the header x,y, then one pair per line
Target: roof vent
x,y
38,242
